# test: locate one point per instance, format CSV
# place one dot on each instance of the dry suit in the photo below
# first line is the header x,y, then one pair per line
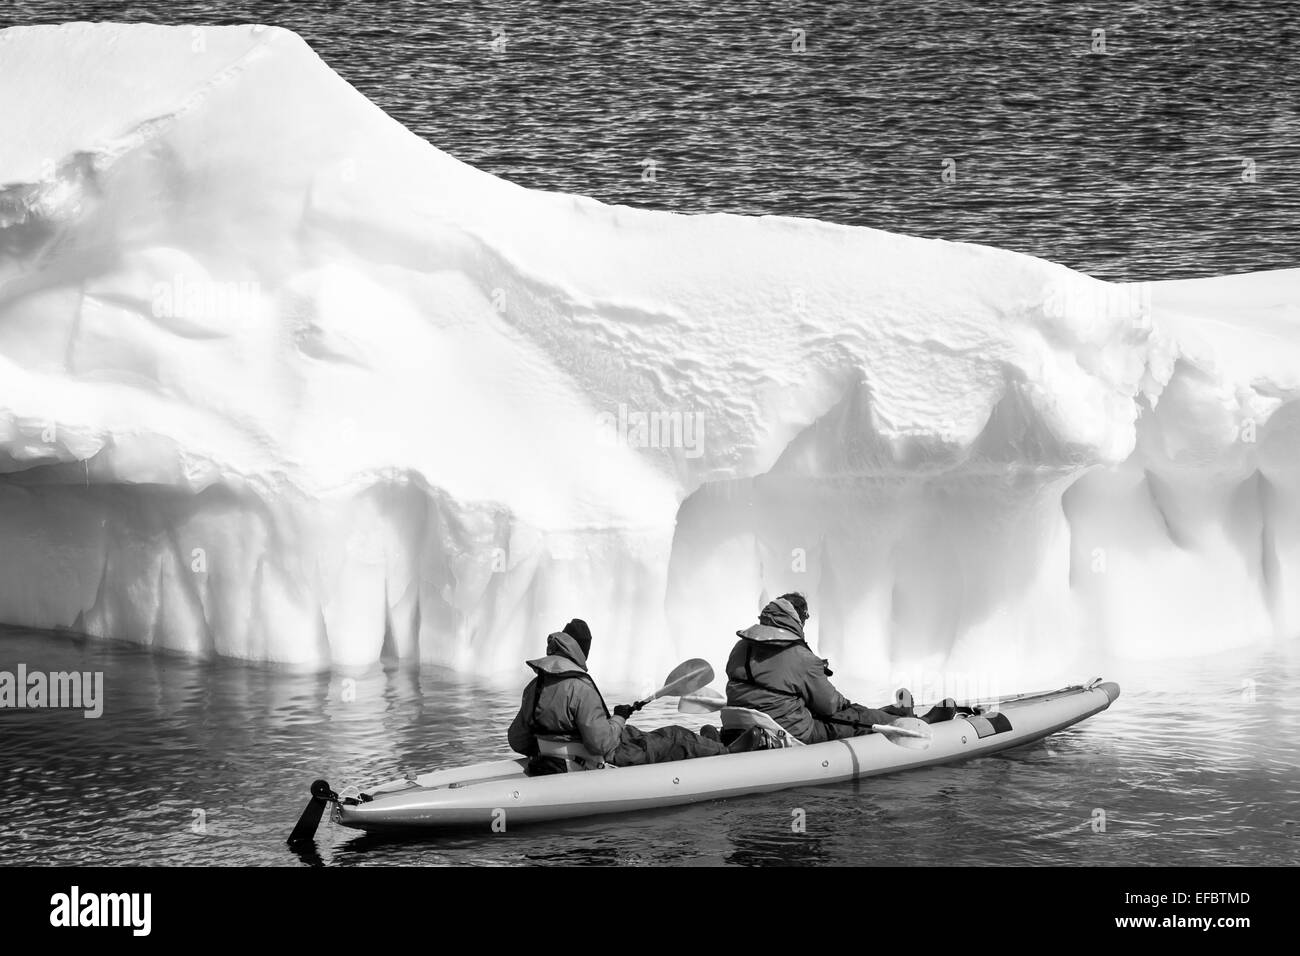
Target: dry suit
x,y
772,669
563,701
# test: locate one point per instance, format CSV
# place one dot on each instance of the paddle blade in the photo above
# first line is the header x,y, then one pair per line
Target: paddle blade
x,y
907,732
706,700
899,731
685,678
305,830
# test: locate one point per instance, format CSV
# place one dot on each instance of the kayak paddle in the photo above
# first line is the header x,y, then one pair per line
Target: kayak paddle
x,y
707,701
685,678
896,731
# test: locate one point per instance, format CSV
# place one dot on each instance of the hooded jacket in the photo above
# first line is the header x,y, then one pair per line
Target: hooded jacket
x,y
563,701
795,688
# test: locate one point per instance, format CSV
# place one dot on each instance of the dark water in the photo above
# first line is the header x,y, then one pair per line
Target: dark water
x,y
1126,164
1188,767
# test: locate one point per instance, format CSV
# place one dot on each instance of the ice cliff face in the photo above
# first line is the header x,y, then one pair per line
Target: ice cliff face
x,y
280,380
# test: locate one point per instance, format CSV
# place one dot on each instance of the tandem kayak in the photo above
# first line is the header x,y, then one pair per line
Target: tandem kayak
x,y
498,794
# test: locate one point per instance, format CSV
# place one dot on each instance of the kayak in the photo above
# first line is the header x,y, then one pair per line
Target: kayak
x,y
498,795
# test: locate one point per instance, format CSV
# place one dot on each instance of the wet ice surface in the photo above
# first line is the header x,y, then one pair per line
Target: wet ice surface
x,y
1197,763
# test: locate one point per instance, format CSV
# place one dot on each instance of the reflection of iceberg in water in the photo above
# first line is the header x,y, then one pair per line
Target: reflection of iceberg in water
x,y
280,380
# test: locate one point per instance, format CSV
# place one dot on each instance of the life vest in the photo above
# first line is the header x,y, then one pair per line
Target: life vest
x,y
559,752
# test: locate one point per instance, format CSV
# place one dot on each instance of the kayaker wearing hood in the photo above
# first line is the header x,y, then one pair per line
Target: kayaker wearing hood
x,y
773,669
563,701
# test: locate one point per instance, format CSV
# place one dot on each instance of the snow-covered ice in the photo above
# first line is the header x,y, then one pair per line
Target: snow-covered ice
x,y
280,380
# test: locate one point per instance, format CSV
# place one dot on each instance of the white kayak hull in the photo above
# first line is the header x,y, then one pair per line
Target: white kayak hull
x,y
499,794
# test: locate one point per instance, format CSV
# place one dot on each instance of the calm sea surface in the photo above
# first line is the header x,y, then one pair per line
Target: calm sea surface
x,y
209,762
1128,156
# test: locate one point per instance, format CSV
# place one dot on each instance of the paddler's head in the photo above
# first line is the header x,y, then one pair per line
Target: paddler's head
x,y
799,603
580,632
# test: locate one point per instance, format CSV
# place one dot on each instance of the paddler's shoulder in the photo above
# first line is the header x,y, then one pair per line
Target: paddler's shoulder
x,y
766,634
557,665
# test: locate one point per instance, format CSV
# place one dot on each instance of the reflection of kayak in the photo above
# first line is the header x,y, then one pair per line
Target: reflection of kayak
x,y
499,795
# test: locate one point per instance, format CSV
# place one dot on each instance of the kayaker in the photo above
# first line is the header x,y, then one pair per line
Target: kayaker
x,y
563,701
772,669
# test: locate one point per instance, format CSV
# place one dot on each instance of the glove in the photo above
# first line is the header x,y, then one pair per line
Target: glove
x,y
624,710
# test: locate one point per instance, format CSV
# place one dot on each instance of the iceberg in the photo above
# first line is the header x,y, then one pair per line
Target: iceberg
x,y
281,381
